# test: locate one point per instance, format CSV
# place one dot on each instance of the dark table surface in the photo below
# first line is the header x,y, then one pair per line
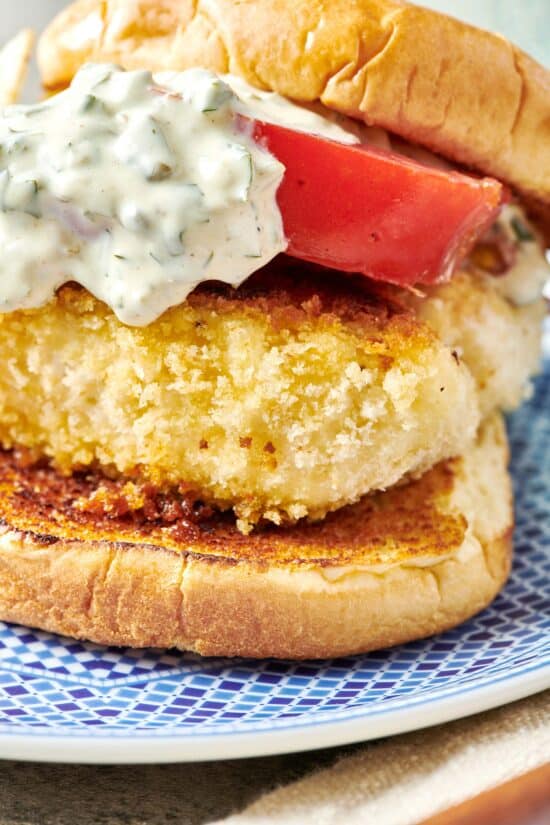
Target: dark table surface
x,y
187,794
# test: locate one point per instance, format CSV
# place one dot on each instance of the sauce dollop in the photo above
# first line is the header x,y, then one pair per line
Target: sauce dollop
x,y
133,191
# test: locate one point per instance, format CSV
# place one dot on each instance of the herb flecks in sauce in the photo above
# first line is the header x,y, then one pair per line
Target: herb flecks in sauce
x,y
523,281
135,192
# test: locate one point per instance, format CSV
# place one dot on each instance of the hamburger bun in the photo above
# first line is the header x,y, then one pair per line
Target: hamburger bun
x,y
462,92
400,565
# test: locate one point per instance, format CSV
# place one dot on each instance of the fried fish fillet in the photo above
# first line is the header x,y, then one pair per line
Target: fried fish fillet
x,y
497,339
282,399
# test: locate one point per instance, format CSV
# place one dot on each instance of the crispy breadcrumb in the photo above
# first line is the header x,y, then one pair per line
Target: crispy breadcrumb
x,y
498,341
278,402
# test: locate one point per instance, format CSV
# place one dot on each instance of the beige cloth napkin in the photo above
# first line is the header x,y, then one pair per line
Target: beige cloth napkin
x,y
403,780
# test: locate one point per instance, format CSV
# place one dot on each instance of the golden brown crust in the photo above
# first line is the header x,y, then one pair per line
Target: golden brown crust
x,y
289,397
463,92
398,566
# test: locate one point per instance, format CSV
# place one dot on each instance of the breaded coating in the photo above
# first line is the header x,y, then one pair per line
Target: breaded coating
x,y
280,399
499,341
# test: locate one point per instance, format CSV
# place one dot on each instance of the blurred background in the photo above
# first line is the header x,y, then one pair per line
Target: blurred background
x,y
526,22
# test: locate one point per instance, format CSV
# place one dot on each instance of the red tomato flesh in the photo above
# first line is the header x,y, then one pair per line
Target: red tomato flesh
x,y
361,209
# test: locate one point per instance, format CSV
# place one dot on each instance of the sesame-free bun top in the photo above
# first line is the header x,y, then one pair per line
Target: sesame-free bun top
x,y
465,93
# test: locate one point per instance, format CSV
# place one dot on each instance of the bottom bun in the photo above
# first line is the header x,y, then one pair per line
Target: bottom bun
x,y
397,566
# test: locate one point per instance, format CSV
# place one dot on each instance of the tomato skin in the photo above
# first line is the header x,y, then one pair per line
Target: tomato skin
x,y
360,209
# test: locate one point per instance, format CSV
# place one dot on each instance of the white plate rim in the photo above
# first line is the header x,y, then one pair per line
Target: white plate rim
x,y
158,747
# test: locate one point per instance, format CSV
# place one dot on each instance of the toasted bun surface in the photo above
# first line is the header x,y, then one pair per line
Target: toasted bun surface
x,y
397,566
465,93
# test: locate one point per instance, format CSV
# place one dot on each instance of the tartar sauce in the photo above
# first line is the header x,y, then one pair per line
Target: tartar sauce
x,y
137,194
525,280
273,108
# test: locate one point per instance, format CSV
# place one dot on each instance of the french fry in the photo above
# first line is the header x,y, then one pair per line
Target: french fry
x,y
14,61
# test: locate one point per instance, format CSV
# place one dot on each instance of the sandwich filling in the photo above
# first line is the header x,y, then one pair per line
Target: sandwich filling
x,y
140,192
294,395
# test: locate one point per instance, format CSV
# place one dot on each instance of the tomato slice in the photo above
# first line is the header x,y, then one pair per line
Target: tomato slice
x,y
361,209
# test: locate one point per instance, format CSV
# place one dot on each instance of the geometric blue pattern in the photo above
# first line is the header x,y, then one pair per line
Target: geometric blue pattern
x,y
51,685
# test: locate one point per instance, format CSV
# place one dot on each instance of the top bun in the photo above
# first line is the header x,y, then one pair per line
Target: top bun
x,y
464,93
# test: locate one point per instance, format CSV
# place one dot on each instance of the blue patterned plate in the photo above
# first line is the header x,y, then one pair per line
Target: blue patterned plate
x,y
63,700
